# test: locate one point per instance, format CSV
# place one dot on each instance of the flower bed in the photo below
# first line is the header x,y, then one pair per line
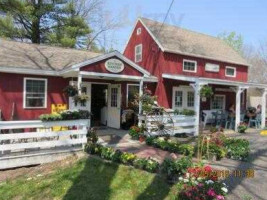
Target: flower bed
x,y
168,145
237,149
66,115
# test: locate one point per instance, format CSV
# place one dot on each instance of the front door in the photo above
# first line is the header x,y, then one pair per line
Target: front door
x,y
114,105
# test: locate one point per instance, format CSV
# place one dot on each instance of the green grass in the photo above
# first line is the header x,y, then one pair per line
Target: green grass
x,y
90,178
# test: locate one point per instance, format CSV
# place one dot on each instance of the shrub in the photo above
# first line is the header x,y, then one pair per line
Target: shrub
x,y
66,115
242,128
237,149
128,158
116,156
92,136
150,140
134,132
186,149
174,168
140,163
151,165
107,153
93,148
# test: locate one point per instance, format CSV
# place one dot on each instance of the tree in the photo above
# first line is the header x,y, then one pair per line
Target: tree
x,y
58,22
234,40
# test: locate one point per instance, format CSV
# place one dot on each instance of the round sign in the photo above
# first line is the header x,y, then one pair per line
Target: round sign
x,y
114,65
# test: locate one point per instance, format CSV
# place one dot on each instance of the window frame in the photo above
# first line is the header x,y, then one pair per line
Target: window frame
x,y
185,90
229,67
212,64
127,92
139,31
141,53
192,61
224,102
24,92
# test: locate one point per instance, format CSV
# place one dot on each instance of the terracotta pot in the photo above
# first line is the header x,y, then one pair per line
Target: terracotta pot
x,y
141,139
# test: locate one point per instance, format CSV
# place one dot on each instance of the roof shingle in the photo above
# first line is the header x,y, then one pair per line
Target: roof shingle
x,y
42,57
181,41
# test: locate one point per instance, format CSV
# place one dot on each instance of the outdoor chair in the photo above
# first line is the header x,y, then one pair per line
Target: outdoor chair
x,y
221,118
256,122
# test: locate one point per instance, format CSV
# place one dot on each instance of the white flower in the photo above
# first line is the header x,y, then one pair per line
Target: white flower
x,y
187,175
224,189
209,182
186,180
193,178
199,178
180,178
196,182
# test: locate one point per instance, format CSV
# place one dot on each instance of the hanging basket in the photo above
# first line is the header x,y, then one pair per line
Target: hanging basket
x,y
71,90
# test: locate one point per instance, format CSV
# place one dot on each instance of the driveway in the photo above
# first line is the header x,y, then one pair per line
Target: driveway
x,y
240,186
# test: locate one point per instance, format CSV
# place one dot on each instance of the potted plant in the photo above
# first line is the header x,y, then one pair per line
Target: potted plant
x,y
242,128
71,90
206,92
141,137
81,98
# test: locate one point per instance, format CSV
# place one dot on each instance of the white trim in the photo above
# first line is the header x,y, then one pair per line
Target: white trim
x,y
127,90
141,53
111,75
228,67
24,92
139,31
224,101
191,61
180,77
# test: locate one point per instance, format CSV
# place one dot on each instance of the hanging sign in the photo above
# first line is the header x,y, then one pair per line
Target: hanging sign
x,y
114,65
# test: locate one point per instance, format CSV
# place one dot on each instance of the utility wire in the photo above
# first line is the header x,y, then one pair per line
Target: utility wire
x,y
169,9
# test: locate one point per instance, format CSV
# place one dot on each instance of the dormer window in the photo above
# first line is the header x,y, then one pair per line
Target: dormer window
x,y
189,66
138,31
138,53
230,71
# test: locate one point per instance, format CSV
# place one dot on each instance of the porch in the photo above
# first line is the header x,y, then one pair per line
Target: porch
x,y
186,95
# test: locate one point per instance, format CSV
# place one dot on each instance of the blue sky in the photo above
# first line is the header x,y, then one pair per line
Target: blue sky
x,y
246,17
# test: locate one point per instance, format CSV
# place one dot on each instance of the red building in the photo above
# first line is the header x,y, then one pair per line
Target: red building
x,y
174,63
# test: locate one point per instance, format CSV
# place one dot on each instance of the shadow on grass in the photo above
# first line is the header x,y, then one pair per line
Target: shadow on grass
x,y
93,182
99,180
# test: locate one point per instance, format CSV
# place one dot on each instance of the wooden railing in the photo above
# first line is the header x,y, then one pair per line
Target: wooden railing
x,y
14,139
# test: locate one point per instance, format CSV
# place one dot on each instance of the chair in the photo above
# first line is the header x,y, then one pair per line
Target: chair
x,y
256,121
221,117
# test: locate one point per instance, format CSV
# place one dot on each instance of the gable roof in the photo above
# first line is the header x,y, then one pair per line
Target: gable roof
x,y
177,40
40,57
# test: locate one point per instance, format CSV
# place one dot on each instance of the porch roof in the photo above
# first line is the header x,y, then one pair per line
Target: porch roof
x,y
203,80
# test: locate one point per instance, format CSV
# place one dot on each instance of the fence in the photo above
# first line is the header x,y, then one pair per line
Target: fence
x,y
180,123
40,138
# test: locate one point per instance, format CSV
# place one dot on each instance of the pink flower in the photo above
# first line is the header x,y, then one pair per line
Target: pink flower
x,y
200,185
211,192
219,197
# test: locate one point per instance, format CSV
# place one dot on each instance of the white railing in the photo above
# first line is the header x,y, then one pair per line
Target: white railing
x,y
181,123
44,135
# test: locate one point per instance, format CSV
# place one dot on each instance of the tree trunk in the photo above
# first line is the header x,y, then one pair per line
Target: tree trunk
x,y
36,34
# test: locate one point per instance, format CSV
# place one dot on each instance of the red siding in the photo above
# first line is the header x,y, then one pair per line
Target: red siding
x,y
11,90
100,68
157,63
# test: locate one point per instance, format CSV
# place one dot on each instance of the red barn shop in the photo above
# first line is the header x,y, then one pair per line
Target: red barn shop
x,y
172,62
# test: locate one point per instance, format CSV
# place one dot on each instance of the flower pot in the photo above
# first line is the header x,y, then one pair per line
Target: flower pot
x,y
141,139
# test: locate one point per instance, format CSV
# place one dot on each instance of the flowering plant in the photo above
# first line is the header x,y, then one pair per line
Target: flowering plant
x,y
242,128
201,183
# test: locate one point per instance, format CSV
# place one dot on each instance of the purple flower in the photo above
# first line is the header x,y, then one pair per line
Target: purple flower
x,y
211,192
219,197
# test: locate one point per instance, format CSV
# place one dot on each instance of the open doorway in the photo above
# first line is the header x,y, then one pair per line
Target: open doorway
x,y
99,105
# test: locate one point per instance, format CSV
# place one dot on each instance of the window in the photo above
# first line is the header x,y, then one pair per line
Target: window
x,y
114,97
218,102
132,91
189,66
138,31
138,53
190,99
35,93
209,67
178,99
230,71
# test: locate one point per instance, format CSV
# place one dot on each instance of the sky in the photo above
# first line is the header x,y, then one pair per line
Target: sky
x,y
212,17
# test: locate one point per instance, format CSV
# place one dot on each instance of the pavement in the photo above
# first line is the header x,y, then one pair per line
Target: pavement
x,y
247,180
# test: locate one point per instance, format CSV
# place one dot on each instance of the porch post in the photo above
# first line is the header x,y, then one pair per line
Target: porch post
x,y
79,83
141,85
197,87
263,107
238,91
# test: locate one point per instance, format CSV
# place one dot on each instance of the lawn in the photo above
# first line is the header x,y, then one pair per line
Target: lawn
x,y
90,178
